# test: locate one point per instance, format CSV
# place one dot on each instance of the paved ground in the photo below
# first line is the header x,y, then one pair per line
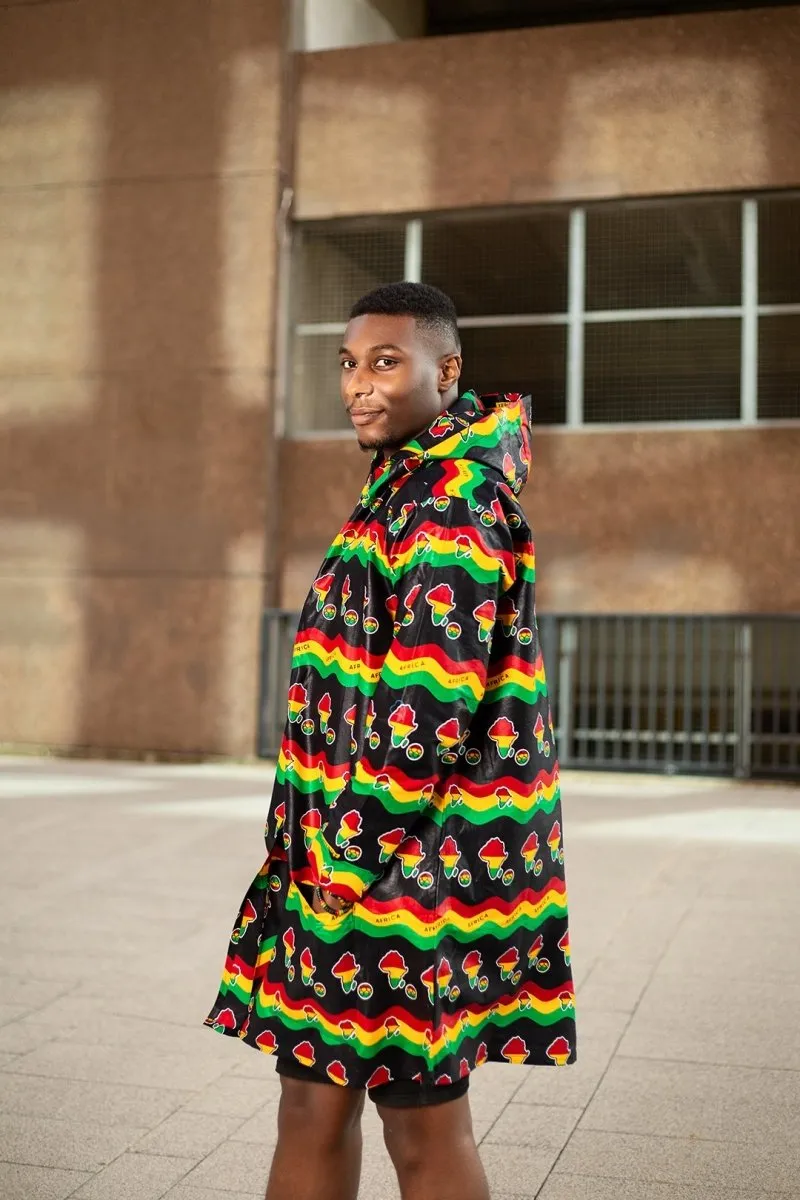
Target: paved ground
x,y
118,887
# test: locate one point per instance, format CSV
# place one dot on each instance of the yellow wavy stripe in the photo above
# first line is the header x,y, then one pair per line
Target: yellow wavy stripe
x,y
463,476
316,774
478,803
409,923
425,665
373,1037
334,657
445,547
529,682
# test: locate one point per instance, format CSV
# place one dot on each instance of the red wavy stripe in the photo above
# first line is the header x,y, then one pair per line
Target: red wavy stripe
x,y
448,665
354,653
512,782
332,770
468,911
449,533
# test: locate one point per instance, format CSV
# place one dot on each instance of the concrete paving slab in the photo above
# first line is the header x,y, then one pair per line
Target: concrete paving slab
x,y
518,1170
109,1064
261,1128
11,1012
135,1177
185,1191
543,1127
726,938
755,1026
674,1099
99,1103
188,1135
689,1162
38,1183
584,1187
234,1167
599,1033
75,1145
235,1095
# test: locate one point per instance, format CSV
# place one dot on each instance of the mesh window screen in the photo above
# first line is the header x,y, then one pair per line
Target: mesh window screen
x,y
663,370
315,384
779,366
673,255
531,359
499,265
779,250
333,266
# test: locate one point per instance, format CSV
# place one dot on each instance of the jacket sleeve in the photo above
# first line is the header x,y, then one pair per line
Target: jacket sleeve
x,y
447,576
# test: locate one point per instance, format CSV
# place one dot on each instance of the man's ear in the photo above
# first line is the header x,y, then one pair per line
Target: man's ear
x,y
449,372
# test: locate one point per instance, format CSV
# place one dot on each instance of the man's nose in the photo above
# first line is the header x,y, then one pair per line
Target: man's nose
x,y
359,385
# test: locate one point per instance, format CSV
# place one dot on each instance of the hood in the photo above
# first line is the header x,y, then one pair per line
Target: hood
x,y
493,430
490,429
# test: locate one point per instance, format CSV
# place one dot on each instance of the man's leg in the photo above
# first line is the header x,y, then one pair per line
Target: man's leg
x,y
433,1150
318,1156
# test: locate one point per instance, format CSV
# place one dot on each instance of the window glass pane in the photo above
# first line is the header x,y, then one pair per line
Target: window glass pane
x,y
495,266
335,265
530,359
315,404
663,370
779,366
779,250
675,255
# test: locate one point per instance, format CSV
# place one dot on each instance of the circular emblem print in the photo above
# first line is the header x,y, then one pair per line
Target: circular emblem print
x,y
537,867
290,974
513,521
441,503
370,624
351,617
307,727
415,751
353,853
524,635
522,758
464,878
274,884
508,876
329,612
425,880
374,740
364,991
319,989
330,737
516,977
483,983
455,992
453,630
488,518
448,758
542,965
473,756
411,991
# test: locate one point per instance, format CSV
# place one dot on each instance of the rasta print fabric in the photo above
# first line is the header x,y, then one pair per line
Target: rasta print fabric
x,y
417,778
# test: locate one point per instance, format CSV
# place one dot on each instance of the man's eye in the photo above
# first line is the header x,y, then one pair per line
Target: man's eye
x,y
346,364
389,362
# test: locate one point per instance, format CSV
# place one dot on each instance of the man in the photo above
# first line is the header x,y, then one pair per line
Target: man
x,y
410,923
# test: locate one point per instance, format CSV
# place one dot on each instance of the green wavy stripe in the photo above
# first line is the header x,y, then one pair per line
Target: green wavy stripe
x,y
528,695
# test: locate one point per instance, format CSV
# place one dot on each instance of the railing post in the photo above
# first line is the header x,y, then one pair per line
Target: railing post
x,y
568,645
743,701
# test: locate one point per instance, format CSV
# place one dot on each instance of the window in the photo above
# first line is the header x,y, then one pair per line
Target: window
x,y
650,311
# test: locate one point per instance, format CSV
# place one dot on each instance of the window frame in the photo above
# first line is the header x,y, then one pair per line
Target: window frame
x,y
576,317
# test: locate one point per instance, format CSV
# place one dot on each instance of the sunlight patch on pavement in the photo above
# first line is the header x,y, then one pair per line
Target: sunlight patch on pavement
x,y
29,786
762,826
223,808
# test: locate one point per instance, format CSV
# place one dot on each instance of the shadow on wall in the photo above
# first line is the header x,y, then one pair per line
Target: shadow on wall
x,y
136,445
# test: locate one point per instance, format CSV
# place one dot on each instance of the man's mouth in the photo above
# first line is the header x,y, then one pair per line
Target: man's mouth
x,y
364,416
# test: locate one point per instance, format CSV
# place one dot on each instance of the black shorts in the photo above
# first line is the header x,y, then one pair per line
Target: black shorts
x,y
400,1093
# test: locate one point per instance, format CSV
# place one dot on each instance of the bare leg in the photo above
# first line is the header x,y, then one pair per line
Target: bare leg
x,y
318,1156
434,1153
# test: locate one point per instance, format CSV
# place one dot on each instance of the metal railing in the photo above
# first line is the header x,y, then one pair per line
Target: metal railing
x,y
672,693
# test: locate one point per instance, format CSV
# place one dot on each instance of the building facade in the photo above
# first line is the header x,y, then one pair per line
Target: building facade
x,y
190,200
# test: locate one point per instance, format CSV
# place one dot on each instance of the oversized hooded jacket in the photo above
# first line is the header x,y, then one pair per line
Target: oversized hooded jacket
x,y
418,779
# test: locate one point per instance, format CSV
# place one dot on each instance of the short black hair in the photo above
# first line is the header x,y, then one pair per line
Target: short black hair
x,y
431,308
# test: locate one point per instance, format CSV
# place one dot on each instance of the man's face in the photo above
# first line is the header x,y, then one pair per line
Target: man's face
x,y
395,379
